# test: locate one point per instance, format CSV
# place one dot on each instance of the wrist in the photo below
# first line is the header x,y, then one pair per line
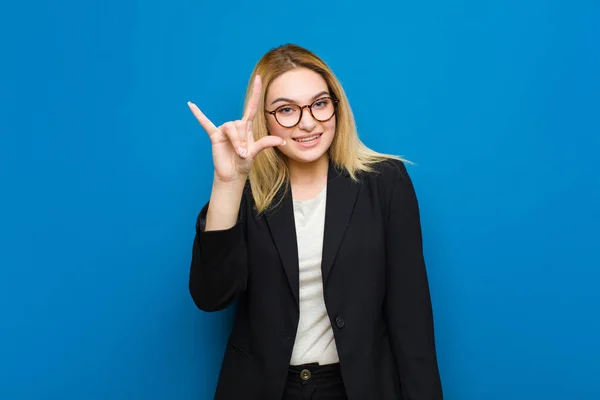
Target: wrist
x,y
231,184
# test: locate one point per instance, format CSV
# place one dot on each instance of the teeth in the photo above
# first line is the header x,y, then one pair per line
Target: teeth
x,y
309,139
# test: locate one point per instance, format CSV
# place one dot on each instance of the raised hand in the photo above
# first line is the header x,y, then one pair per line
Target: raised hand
x,y
233,145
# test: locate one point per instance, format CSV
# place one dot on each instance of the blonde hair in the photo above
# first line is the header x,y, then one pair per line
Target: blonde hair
x,y
270,170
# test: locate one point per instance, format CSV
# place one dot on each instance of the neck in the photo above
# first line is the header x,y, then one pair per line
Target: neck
x,y
308,173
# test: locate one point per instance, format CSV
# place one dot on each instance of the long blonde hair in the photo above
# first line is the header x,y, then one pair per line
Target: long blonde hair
x,y
270,170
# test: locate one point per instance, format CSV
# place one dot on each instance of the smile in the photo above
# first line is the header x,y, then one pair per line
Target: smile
x,y
308,139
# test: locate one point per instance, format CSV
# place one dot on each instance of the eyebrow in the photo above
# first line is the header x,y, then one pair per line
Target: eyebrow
x,y
324,92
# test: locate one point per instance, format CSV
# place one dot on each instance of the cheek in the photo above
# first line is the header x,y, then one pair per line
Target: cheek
x,y
277,130
330,126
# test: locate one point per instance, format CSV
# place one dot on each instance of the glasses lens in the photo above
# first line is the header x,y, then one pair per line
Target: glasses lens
x,y
288,115
323,109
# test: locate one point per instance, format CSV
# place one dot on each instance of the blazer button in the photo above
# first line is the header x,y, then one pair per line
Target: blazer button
x,y
339,322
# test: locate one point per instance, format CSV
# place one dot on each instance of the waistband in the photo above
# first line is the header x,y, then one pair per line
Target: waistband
x,y
314,371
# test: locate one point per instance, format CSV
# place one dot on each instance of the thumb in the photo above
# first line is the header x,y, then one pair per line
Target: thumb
x,y
266,142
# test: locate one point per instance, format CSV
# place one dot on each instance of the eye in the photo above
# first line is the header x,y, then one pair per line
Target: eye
x,y
321,103
286,110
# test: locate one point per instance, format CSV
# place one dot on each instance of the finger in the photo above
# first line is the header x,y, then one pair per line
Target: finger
x,y
250,134
238,129
242,131
208,126
266,142
252,105
230,131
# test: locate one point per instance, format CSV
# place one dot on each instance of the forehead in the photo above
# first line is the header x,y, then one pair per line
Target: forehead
x,y
298,84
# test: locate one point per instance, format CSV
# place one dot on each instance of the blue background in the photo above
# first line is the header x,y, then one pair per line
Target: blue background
x,y
103,170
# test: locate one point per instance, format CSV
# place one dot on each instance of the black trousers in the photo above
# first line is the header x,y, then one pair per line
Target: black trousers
x,y
314,382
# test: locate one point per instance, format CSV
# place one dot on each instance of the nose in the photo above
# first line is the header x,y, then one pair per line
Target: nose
x,y
307,122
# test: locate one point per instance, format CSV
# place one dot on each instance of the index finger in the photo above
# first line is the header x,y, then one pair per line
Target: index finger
x,y
206,123
252,105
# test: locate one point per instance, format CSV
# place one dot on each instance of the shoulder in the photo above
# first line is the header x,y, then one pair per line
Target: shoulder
x,y
388,172
390,179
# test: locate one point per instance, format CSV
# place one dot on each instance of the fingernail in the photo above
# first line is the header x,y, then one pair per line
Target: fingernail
x,y
284,143
242,152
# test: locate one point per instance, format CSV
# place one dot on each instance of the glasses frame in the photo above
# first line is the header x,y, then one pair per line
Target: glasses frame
x,y
335,104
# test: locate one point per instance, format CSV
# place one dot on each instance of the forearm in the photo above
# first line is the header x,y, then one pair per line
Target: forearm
x,y
224,205
410,322
218,269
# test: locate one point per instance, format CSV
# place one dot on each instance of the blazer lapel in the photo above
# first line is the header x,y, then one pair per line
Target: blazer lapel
x,y
342,193
283,230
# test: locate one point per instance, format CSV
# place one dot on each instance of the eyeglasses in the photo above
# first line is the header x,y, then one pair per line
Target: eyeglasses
x,y
290,115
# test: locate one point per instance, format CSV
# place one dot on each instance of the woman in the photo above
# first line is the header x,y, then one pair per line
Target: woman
x,y
319,238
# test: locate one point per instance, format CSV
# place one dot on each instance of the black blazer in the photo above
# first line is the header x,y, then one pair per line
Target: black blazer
x,y
375,288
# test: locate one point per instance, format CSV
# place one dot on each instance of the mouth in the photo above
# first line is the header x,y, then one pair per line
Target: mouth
x,y
308,139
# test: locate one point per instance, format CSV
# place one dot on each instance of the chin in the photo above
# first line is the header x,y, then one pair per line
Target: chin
x,y
306,158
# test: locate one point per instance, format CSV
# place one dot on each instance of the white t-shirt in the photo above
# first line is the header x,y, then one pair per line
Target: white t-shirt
x,y
314,340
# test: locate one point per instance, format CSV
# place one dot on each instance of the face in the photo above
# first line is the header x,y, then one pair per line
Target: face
x,y
309,140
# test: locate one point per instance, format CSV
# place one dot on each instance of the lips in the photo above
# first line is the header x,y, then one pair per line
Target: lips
x,y
307,139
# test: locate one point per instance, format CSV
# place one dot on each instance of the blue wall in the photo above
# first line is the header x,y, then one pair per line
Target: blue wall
x,y
103,170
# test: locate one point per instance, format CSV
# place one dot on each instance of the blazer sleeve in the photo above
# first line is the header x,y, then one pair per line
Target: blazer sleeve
x,y
218,271
408,308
